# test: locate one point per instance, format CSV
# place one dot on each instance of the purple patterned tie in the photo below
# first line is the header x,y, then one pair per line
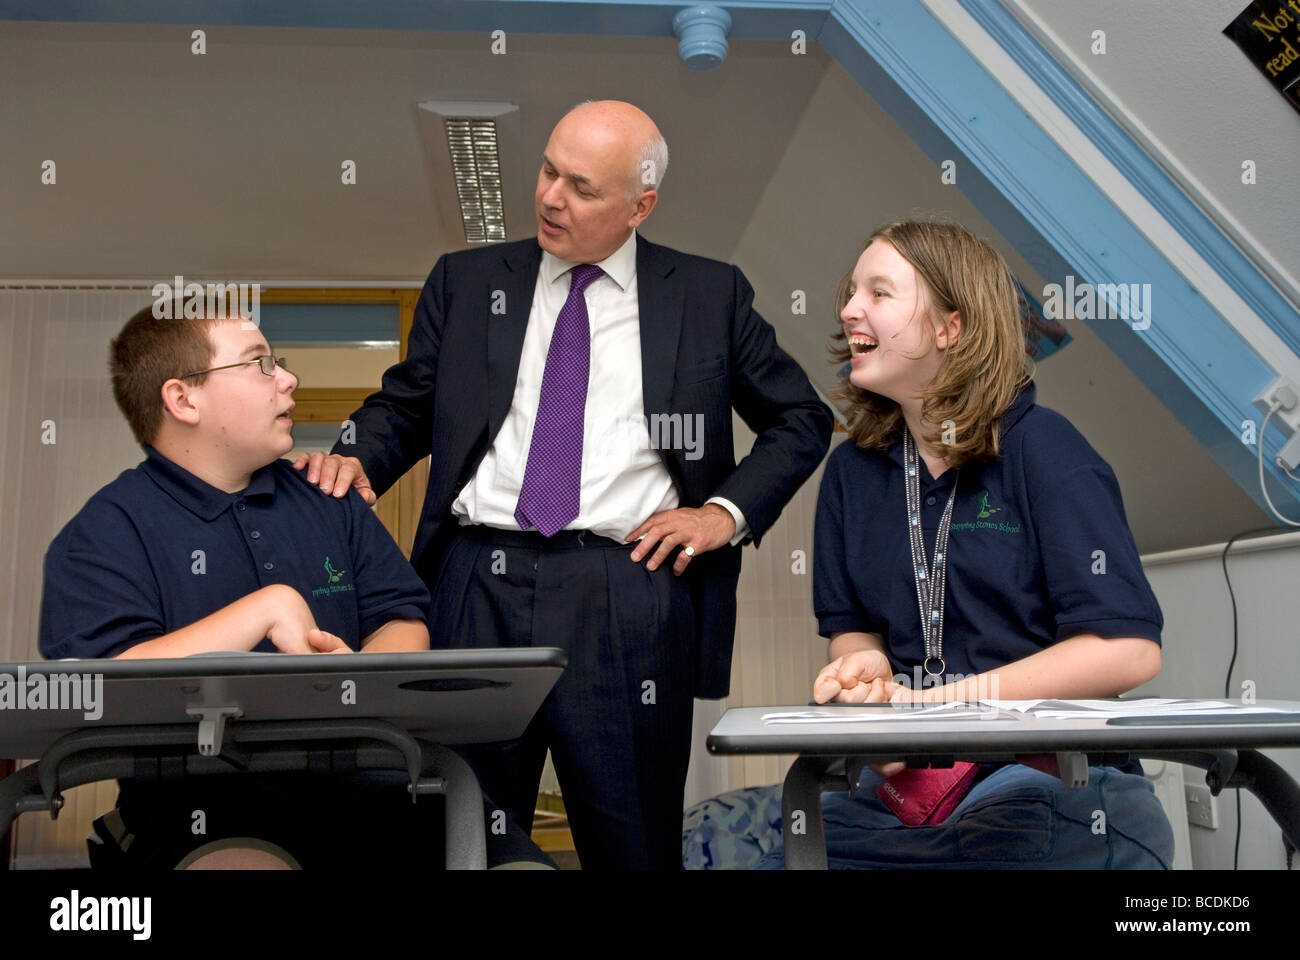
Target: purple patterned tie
x,y
552,485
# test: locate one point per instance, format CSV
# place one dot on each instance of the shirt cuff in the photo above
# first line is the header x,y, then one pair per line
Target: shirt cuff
x,y
742,527
1110,628
842,623
401,611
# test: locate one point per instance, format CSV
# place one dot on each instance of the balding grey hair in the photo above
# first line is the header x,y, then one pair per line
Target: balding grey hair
x,y
651,165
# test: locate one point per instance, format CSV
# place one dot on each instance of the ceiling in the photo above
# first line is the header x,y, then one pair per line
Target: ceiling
x,y
229,163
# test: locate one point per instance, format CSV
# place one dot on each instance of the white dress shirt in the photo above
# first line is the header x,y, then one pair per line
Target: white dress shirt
x,y
623,479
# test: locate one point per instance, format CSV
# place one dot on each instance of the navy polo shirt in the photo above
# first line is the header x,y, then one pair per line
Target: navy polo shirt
x,y
1039,549
158,549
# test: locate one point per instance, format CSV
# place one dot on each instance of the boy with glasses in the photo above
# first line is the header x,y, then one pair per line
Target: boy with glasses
x,y
215,544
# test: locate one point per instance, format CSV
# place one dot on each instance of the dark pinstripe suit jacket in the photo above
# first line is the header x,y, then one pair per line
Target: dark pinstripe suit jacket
x,y
704,351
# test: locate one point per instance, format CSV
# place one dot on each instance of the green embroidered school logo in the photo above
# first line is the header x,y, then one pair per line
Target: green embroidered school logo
x,y
335,575
985,510
982,521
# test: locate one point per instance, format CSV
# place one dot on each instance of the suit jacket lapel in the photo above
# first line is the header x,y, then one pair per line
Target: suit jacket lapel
x,y
516,281
660,299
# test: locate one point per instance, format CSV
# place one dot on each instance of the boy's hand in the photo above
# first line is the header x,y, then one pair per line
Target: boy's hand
x,y
334,474
323,642
864,676
291,622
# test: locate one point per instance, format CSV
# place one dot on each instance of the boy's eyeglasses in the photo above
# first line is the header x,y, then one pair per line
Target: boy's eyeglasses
x,y
265,363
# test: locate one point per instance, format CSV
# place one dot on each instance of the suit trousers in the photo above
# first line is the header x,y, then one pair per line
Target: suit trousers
x,y
618,721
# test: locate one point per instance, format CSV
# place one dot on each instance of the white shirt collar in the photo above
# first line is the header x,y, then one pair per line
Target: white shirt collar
x,y
619,266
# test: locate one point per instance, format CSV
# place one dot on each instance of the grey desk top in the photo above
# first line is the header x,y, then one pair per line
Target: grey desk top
x,y
447,696
993,735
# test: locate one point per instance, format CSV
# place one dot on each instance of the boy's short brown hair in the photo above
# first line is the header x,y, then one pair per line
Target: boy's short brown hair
x,y
146,354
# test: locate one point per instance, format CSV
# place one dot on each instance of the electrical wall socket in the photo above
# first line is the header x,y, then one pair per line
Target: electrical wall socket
x,y
1202,806
1291,418
1289,455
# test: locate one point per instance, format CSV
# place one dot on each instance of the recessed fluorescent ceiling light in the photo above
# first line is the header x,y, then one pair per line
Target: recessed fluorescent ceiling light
x,y
476,165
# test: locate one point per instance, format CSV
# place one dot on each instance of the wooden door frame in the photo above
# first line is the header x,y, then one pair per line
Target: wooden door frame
x,y
399,508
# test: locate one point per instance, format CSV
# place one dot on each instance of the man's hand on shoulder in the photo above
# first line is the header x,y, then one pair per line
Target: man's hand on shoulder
x,y
695,529
334,474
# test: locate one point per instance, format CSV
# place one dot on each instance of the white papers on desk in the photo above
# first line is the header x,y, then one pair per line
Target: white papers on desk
x,y
993,710
880,713
1105,709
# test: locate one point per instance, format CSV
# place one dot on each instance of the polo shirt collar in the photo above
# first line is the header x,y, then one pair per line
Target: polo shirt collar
x,y
1019,407
1014,414
619,266
197,496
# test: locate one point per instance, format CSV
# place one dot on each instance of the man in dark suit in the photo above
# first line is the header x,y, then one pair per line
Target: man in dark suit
x,y
575,391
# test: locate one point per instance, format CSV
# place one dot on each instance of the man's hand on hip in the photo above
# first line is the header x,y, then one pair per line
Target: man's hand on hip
x,y
335,474
695,530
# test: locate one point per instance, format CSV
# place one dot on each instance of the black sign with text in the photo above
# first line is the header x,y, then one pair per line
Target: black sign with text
x,y
1268,31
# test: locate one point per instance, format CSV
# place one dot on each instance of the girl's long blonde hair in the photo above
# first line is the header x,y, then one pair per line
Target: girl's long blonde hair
x,y
982,370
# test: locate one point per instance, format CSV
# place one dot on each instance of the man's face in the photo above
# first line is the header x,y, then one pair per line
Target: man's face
x,y
245,414
583,214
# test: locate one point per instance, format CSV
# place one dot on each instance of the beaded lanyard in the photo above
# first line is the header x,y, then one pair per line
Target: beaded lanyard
x,y
929,590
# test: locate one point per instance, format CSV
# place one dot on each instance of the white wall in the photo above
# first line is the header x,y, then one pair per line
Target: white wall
x,y
1196,103
1198,645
